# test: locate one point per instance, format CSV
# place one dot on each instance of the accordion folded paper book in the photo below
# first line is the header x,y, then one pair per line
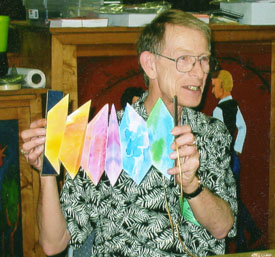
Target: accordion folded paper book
x,y
102,144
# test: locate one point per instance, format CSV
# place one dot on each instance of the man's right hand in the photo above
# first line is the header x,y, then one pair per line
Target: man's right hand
x,y
33,143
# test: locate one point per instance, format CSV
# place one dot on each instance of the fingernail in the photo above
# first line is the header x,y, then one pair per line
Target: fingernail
x,y
173,155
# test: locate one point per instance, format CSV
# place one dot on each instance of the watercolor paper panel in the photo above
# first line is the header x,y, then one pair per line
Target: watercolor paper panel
x,y
113,165
160,123
72,144
97,156
56,121
51,164
86,147
135,145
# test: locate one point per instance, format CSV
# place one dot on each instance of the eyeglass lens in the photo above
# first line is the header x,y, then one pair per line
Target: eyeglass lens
x,y
186,63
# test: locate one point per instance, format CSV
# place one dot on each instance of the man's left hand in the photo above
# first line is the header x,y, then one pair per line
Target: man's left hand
x,y
188,155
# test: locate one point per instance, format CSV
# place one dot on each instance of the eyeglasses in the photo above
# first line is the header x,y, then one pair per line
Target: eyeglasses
x,y
185,63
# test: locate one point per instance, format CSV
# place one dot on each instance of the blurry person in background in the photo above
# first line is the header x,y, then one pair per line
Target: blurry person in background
x,y
131,95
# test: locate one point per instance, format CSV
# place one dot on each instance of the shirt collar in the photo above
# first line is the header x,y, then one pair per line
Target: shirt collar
x,y
226,99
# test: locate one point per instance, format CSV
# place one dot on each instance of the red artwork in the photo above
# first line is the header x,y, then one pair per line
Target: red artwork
x,y
10,213
104,79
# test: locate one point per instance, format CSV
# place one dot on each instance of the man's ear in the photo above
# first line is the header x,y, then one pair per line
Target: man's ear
x,y
147,62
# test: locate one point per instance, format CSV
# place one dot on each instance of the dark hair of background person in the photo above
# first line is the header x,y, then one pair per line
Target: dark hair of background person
x,y
128,95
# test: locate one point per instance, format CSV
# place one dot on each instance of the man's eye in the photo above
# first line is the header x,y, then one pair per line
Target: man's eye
x,y
185,58
205,59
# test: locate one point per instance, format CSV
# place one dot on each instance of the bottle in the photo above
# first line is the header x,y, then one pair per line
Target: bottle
x,y
4,29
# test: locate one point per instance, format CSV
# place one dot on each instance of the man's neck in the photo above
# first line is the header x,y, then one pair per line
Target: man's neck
x,y
225,94
150,101
153,97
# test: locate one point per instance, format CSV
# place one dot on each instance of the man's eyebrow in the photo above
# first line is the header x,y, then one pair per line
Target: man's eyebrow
x,y
181,52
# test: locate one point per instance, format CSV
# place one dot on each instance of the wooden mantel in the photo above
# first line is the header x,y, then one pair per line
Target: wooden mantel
x,y
70,43
242,33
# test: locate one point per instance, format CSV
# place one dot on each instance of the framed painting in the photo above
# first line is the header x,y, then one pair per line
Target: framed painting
x,y
10,202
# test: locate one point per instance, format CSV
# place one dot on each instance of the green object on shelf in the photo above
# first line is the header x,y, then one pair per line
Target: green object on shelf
x,y
4,29
12,79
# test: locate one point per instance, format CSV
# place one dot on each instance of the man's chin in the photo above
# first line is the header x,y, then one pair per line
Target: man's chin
x,y
191,104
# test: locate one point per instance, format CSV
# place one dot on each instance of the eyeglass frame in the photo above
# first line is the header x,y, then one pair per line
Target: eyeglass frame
x,y
197,58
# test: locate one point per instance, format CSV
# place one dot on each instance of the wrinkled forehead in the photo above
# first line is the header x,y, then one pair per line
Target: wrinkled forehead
x,y
186,37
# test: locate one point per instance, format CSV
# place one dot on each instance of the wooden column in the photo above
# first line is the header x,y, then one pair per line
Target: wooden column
x,y
64,69
271,212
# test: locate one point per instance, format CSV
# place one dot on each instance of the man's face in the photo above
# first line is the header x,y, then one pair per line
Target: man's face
x,y
217,89
187,86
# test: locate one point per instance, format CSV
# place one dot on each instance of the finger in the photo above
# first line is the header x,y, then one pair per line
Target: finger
x,y
183,152
30,145
178,130
184,139
184,178
188,166
33,130
28,134
34,158
35,153
192,163
38,123
184,170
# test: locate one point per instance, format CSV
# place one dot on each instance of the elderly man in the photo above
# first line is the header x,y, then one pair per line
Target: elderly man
x,y
150,219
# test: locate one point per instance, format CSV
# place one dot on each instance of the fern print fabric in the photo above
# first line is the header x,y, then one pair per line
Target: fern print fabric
x,y
131,220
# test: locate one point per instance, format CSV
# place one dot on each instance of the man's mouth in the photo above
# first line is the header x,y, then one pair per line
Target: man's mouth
x,y
193,88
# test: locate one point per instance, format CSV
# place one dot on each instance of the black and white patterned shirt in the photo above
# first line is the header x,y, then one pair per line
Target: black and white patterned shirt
x,y
130,220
